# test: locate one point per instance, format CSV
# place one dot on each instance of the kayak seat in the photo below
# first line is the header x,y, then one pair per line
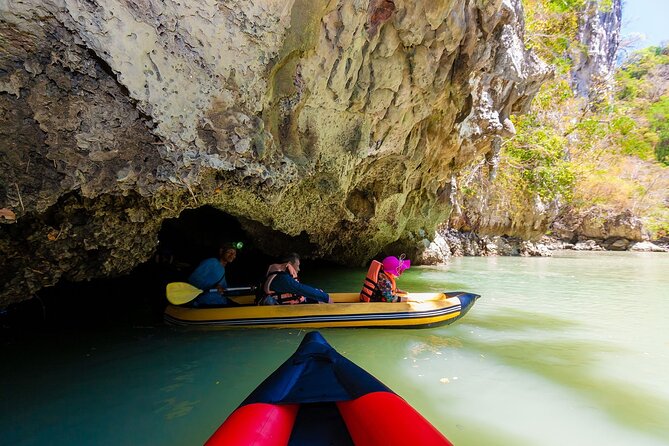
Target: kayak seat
x,y
319,424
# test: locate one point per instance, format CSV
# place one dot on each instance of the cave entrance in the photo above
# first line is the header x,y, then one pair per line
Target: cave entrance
x,y
138,298
198,234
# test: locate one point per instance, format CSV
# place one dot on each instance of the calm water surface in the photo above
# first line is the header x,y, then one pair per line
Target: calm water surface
x,y
572,349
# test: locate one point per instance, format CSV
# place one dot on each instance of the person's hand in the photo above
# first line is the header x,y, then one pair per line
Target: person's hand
x,y
220,289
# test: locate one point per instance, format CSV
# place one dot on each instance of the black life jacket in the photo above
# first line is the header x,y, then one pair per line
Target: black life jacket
x,y
281,298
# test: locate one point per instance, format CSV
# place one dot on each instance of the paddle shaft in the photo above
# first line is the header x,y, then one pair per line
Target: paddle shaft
x,y
179,293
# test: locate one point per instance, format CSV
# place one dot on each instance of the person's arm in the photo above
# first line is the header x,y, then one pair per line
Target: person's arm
x,y
286,284
314,293
222,284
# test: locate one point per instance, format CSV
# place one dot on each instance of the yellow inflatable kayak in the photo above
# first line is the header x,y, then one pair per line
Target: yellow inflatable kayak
x,y
419,311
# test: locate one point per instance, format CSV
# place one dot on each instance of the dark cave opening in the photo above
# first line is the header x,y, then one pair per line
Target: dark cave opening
x,y
138,298
198,234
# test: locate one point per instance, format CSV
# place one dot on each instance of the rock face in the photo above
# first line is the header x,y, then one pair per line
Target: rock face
x,y
449,243
491,208
599,35
341,122
605,229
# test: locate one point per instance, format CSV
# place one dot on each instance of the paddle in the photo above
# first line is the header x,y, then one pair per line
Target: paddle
x,y
179,293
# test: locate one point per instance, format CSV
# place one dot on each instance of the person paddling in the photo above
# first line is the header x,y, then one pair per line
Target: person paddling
x,y
209,276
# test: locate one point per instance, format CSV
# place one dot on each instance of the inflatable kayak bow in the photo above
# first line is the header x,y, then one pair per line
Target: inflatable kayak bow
x,y
317,398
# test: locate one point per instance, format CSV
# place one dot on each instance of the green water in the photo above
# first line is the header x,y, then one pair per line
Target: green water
x,y
572,349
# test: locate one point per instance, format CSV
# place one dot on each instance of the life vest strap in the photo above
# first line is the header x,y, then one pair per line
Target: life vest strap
x,y
287,297
282,298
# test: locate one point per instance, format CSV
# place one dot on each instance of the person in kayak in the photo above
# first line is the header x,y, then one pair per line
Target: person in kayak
x,y
281,285
380,283
209,276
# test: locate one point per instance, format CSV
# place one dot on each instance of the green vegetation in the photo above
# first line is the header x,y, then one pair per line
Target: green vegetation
x,y
658,117
643,104
551,27
538,156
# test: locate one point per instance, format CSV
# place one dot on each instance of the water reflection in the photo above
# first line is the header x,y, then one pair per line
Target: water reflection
x,y
570,363
514,320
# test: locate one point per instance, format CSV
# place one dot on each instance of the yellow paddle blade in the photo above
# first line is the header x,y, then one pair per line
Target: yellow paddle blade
x,y
179,293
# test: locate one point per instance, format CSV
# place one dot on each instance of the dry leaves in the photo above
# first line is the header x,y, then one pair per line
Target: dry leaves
x,y
7,214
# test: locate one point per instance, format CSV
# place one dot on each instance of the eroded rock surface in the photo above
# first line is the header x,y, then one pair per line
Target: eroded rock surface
x,y
449,243
594,61
341,121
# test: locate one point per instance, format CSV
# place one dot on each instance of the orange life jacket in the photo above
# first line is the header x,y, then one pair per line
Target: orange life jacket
x,y
272,271
372,279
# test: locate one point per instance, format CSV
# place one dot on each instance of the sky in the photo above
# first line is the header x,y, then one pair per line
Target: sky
x,y
647,18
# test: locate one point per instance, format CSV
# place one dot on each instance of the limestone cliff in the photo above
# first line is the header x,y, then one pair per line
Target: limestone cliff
x,y
599,38
492,206
342,121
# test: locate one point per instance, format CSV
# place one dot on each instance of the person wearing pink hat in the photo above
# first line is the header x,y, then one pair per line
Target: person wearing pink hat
x,y
380,282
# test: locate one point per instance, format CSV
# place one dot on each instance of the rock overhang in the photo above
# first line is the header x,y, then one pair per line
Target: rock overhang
x,y
340,122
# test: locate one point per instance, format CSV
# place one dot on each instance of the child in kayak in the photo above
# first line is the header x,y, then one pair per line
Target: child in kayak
x,y
380,283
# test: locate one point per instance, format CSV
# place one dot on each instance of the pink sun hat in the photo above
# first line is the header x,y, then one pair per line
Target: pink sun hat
x,y
395,266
